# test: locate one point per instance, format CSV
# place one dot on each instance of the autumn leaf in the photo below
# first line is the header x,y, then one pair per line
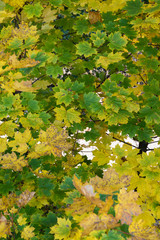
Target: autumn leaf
x,y
62,229
10,161
21,220
94,17
127,206
4,227
27,233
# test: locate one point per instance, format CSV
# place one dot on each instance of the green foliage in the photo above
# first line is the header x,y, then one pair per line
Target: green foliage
x,y
71,70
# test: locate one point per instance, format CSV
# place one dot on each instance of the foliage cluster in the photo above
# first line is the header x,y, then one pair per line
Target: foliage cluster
x,y
67,66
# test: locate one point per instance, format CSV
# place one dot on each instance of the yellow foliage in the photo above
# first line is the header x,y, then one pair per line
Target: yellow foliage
x,y
4,227
110,182
15,3
140,231
10,161
28,233
127,206
52,141
21,220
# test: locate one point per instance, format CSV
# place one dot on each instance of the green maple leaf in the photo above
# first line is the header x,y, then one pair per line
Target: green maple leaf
x,y
98,38
8,100
151,115
67,184
119,118
54,71
56,3
45,185
116,41
112,235
114,103
133,7
145,134
81,26
104,61
91,101
85,48
33,10
63,97
33,106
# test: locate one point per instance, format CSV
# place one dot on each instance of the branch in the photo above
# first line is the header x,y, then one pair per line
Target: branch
x,y
142,79
103,81
125,142
38,79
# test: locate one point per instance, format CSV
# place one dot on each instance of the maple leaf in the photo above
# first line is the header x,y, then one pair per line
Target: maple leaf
x,y
94,17
90,223
4,14
85,48
127,206
33,10
110,182
85,189
21,220
111,58
68,116
133,7
24,198
24,86
80,206
4,227
141,231
24,63
98,38
15,3
62,229
27,233
10,161
52,141
116,41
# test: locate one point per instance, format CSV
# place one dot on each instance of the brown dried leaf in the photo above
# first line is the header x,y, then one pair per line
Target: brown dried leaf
x,y
24,198
94,17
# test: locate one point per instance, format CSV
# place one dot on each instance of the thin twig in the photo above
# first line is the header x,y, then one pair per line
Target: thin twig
x,y
124,142
142,79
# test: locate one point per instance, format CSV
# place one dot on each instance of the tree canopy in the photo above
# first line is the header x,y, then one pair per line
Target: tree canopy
x,y
70,70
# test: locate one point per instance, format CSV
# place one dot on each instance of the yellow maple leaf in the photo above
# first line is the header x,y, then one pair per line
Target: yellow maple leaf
x,y
21,220
3,144
27,232
127,206
68,116
24,86
53,141
111,58
110,182
23,63
140,231
80,206
10,161
4,14
62,229
4,227
38,202
90,223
